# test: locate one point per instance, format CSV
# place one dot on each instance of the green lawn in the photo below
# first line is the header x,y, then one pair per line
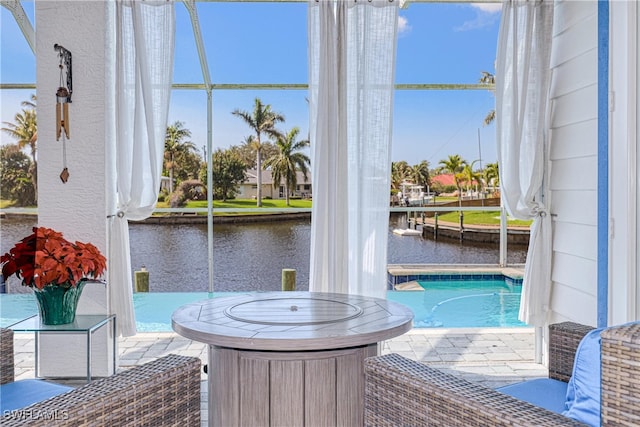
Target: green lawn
x,y
480,217
476,217
246,203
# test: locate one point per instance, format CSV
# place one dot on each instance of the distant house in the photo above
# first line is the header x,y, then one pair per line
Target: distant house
x,y
249,188
444,180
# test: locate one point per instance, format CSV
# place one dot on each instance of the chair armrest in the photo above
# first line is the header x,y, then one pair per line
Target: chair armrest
x,y
621,375
564,339
403,392
6,356
164,392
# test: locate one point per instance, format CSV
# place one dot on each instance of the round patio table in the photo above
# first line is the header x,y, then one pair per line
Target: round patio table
x,y
289,358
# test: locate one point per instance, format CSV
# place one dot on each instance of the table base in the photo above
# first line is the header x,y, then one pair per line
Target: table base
x,y
319,388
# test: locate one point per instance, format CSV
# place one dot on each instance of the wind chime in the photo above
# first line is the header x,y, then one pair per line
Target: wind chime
x,y
63,99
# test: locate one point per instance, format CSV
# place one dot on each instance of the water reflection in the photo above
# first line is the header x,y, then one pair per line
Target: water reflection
x,y
249,257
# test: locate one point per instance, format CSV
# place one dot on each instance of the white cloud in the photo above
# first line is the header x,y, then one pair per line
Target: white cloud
x,y
403,25
486,14
488,7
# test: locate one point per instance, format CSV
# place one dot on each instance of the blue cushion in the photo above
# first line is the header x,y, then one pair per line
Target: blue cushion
x,y
583,391
543,392
20,394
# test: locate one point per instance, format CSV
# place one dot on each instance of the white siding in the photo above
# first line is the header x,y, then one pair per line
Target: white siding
x,y
623,163
573,156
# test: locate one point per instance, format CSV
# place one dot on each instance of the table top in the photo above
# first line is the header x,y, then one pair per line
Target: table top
x,y
82,323
292,321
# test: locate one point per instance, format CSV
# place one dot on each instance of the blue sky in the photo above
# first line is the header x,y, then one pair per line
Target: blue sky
x,y
267,43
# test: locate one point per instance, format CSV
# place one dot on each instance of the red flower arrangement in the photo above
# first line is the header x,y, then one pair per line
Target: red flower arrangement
x,y
46,258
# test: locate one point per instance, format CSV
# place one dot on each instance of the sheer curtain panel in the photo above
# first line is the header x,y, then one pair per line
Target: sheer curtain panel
x,y
352,47
522,116
144,36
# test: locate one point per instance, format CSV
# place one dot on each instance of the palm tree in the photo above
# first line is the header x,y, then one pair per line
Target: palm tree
x,y
488,79
261,120
288,161
420,173
490,174
173,145
454,164
468,175
25,131
399,173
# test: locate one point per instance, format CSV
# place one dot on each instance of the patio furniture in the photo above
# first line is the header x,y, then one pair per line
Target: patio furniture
x,y
289,358
164,392
86,324
403,392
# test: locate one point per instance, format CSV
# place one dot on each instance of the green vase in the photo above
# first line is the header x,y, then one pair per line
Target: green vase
x,y
57,304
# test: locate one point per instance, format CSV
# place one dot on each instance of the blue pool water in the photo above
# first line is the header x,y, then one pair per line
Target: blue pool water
x,y
463,303
449,304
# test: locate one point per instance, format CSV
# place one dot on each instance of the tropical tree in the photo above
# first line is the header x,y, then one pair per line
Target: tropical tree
x,y
468,176
262,120
248,149
285,165
15,176
454,165
400,172
488,79
419,173
174,145
190,164
228,171
490,174
25,131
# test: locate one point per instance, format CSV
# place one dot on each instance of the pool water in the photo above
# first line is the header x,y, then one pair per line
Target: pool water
x,y
448,304
463,303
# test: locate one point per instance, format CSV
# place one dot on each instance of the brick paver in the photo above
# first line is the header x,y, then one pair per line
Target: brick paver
x,y
493,357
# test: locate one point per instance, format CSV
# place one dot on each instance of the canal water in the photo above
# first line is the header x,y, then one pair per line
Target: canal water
x,y
250,257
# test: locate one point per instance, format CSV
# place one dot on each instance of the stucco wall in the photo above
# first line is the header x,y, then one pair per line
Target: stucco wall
x,y
573,156
77,208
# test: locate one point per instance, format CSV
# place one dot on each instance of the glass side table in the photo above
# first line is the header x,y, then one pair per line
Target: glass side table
x,y
86,324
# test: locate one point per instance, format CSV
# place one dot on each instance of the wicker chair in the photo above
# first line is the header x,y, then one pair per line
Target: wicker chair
x,y
164,392
402,392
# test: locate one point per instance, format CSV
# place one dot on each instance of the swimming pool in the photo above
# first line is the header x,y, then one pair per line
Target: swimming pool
x,y
463,303
448,304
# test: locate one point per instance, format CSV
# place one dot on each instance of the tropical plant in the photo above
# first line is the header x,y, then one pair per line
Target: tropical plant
x,y
248,149
174,145
262,120
489,80
25,131
468,176
191,189
285,165
454,165
15,176
491,175
400,172
45,258
419,173
228,171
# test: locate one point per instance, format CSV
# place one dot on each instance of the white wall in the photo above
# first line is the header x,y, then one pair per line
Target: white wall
x,y
574,162
624,160
573,157
77,208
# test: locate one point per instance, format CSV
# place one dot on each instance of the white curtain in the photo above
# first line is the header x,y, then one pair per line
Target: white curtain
x,y
352,46
522,117
143,75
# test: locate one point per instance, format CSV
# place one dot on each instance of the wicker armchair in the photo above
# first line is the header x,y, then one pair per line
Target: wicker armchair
x,y
402,392
164,392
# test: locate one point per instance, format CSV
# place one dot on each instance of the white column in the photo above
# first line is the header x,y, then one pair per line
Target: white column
x,y
78,208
